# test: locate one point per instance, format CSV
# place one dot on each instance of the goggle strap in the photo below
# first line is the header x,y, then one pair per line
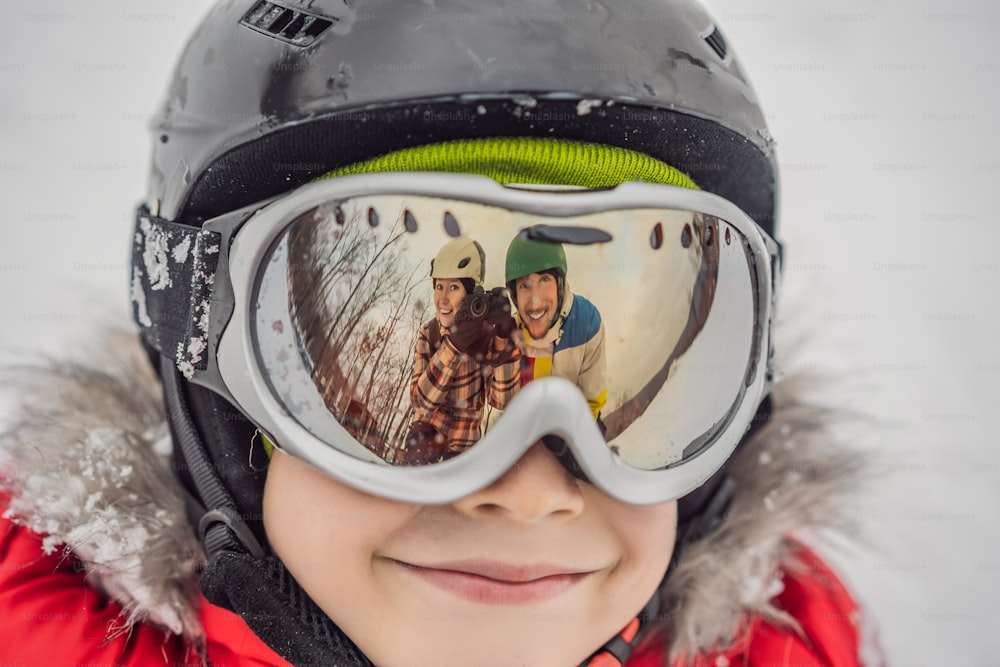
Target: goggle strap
x,y
173,274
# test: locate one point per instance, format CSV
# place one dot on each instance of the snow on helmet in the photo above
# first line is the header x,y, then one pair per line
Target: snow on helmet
x,y
267,96
460,258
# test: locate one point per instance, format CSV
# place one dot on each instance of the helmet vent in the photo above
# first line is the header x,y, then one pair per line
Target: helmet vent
x,y
717,42
289,25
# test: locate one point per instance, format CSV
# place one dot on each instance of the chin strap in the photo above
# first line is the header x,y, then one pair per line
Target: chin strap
x,y
616,651
278,611
210,507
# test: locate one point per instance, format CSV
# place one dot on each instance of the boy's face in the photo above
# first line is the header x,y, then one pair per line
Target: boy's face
x,y
448,294
537,297
537,569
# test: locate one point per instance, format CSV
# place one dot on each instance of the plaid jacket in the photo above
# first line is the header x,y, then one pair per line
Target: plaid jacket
x,y
448,388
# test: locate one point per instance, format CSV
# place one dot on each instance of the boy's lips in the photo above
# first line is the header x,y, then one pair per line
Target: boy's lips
x,y
503,572
493,582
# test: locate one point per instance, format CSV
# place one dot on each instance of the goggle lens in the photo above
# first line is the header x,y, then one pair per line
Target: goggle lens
x,y
344,293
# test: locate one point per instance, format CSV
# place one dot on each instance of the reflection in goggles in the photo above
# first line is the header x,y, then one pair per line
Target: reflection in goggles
x,y
417,320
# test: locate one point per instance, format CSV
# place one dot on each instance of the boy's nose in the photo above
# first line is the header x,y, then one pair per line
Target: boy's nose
x,y
535,488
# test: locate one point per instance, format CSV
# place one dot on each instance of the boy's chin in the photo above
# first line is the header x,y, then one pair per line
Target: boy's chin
x,y
495,637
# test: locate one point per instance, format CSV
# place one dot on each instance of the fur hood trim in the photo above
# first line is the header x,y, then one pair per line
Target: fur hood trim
x,y
794,481
86,460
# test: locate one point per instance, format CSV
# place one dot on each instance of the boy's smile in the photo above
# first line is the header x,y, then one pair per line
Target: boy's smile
x,y
493,582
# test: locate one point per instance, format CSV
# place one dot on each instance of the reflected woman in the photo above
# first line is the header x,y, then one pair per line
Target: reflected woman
x,y
463,358
563,331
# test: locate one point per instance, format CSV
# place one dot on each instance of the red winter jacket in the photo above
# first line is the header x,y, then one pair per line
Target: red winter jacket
x,y
816,599
51,616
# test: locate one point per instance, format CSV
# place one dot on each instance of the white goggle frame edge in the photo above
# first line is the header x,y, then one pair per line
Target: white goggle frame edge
x,y
551,406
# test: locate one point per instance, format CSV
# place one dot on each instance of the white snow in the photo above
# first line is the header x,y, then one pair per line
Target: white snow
x,y
583,107
158,436
184,364
203,318
138,296
885,116
196,346
180,251
49,544
154,256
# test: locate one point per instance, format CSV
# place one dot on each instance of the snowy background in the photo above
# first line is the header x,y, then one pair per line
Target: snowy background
x,y
886,114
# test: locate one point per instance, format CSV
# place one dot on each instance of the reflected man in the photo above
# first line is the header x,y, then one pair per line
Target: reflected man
x,y
564,334
463,358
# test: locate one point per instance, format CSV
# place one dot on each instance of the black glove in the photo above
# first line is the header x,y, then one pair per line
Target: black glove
x,y
469,332
498,313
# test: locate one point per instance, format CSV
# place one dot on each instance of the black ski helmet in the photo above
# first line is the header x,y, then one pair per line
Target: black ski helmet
x,y
269,95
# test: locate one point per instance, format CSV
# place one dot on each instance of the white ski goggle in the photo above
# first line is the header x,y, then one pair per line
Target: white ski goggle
x,y
316,316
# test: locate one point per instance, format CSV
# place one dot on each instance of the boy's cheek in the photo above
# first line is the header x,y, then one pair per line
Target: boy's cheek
x,y
312,516
648,535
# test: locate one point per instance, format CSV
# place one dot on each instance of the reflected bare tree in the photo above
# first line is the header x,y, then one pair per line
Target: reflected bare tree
x,y
352,296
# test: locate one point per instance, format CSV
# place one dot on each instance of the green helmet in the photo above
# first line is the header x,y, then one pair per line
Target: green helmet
x,y
526,256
